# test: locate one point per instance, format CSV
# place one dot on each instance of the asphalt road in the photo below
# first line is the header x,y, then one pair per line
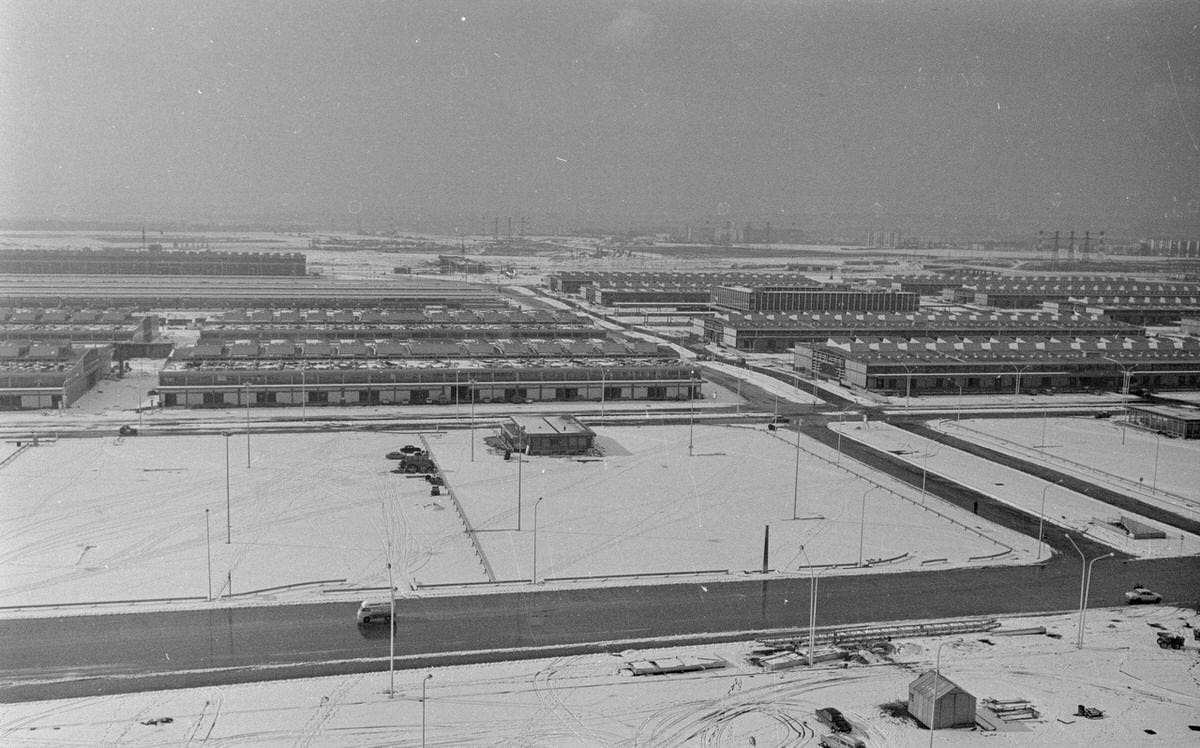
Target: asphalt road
x,y
91,655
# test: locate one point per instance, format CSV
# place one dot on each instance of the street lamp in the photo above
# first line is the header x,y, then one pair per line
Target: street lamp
x,y
841,426
1154,480
862,525
1042,517
208,546
691,410
937,674
391,624
520,463
796,483
247,391
227,434
535,507
472,381
925,471
1085,584
812,606
424,681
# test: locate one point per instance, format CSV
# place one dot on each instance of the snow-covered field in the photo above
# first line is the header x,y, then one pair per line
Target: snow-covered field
x,y
108,519
1065,509
1103,450
1148,696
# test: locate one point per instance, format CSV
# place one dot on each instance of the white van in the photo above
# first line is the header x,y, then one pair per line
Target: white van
x,y
841,740
374,612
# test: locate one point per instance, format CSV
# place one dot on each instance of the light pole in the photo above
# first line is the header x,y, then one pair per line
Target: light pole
x,y
228,523
208,546
862,525
247,391
691,411
925,471
739,396
841,425
535,506
1043,442
391,624
937,674
1085,584
796,483
303,397
602,387
1042,517
1154,480
472,381
520,462
424,681
812,606
958,410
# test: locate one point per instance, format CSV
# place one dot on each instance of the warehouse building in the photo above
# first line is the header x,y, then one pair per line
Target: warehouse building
x,y
153,261
48,375
810,299
762,333
376,324
1173,420
999,364
322,372
141,292
129,335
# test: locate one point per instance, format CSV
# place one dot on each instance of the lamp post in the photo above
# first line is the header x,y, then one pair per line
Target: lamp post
x,y
958,410
472,383
535,507
796,483
924,471
391,624
812,606
691,411
937,674
1042,517
1154,480
1043,442
208,547
862,524
841,425
247,391
602,387
424,681
520,462
303,397
228,523
739,396
1085,584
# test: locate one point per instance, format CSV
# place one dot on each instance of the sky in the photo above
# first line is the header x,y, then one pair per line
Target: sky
x,y
1058,114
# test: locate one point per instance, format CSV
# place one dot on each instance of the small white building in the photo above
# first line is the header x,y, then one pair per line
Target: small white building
x,y
938,703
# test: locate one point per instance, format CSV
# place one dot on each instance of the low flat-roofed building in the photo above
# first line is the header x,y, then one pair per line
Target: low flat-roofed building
x,y
547,435
420,371
1175,420
49,375
999,364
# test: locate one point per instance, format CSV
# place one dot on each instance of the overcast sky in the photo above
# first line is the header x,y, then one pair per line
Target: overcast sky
x,y
1043,111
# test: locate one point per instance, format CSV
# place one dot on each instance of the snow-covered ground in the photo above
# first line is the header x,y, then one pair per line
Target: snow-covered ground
x,y
1156,469
109,518
1063,508
1148,696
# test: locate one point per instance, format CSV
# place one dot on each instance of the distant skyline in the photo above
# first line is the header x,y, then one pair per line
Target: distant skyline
x,y
1057,114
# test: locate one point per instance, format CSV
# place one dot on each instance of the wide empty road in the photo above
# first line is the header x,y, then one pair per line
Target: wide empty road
x,y
85,655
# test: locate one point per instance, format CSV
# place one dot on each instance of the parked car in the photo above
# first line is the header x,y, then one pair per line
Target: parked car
x,y
834,719
1140,594
841,740
407,450
374,612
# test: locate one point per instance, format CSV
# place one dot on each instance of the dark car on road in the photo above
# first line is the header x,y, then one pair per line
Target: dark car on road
x,y
833,718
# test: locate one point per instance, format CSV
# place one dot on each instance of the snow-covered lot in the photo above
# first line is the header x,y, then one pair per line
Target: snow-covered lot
x,y
109,519
1148,696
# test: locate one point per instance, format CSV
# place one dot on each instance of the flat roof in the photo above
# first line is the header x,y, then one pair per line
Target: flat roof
x,y
550,425
1178,412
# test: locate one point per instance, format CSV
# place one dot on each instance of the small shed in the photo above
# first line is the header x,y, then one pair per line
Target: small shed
x,y
547,435
938,703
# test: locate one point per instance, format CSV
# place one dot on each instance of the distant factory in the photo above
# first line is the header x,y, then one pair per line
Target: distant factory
x,y
151,261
